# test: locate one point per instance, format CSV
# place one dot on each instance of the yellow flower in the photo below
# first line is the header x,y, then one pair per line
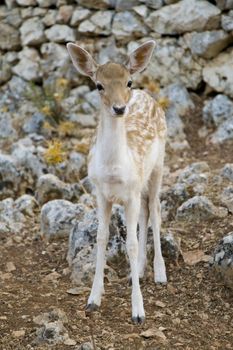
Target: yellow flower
x,y
46,110
62,82
55,153
66,128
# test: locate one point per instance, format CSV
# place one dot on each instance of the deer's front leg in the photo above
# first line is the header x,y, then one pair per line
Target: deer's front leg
x,y
132,213
104,214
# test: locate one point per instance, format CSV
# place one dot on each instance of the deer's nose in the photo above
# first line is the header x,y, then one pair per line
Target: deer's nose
x,y
119,110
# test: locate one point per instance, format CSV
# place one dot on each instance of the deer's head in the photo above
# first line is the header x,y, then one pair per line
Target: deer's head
x,y
113,80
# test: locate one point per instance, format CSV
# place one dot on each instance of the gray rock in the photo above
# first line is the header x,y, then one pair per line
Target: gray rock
x,y
28,67
170,246
96,4
32,32
26,204
208,44
224,132
199,208
224,4
60,33
50,52
75,164
154,4
218,73
50,18
99,23
141,10
26,2
172,198
58,217
86,346
8,212
9,39
218,110
79,15
227,21
222,261
64,14
173,63
6,126
49,187
178,95
125,25
227,198
185,16
27,157
175,126
46,3
5,70
13,18
34,124
9,176
227,171
122,5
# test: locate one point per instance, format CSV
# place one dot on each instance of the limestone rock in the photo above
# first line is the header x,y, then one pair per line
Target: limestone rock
x,y
208,44
26,204
173,63
99,23
178,95
199,208
28,67
218,73
122,5
50,18
125,25
9,39
185,16
227,171
8,212
224,4
224,132
222,260
79,15
60,33
49,187
26,2
9,176
6,126
227,21
34,124
95,4
32,32
227,198
64,14
58,217
154,4
218,110
50,52
5,70
46,3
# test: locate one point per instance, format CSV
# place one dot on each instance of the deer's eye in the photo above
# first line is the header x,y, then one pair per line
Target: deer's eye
x,y
99,87
129,84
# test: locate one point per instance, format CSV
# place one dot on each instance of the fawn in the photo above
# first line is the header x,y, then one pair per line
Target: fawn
x,y
126,165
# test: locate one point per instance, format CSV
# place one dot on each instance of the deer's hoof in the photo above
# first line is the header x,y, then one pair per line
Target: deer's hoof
x,y
90,308
137,320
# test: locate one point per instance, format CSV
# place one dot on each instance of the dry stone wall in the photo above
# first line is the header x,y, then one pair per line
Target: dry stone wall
x,y
190,35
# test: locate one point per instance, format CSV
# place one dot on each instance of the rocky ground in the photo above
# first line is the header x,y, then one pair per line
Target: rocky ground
x,y
42,308
48,223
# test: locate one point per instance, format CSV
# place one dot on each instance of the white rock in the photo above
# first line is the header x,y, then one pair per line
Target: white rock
x,y
79,15
224,4
224,132
46,3
95,4
50,52
218,73
26,204
6,126
125,25
60,33
218,110
58,217
28,67
32,32
227,198
26,2
50,18
227,171
9,38
185,16
227,21
208,44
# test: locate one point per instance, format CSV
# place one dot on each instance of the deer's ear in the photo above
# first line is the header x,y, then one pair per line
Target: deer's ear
x,y
82,60
139,58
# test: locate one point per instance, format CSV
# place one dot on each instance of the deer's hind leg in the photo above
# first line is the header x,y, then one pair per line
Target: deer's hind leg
x,y
155,218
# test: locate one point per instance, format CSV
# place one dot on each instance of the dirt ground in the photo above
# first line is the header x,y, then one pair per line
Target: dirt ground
x,y
193,311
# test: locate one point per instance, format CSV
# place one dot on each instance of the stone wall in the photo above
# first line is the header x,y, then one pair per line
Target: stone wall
x,y
193,37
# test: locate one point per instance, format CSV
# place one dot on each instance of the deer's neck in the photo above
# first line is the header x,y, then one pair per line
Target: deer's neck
x,y
111,136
